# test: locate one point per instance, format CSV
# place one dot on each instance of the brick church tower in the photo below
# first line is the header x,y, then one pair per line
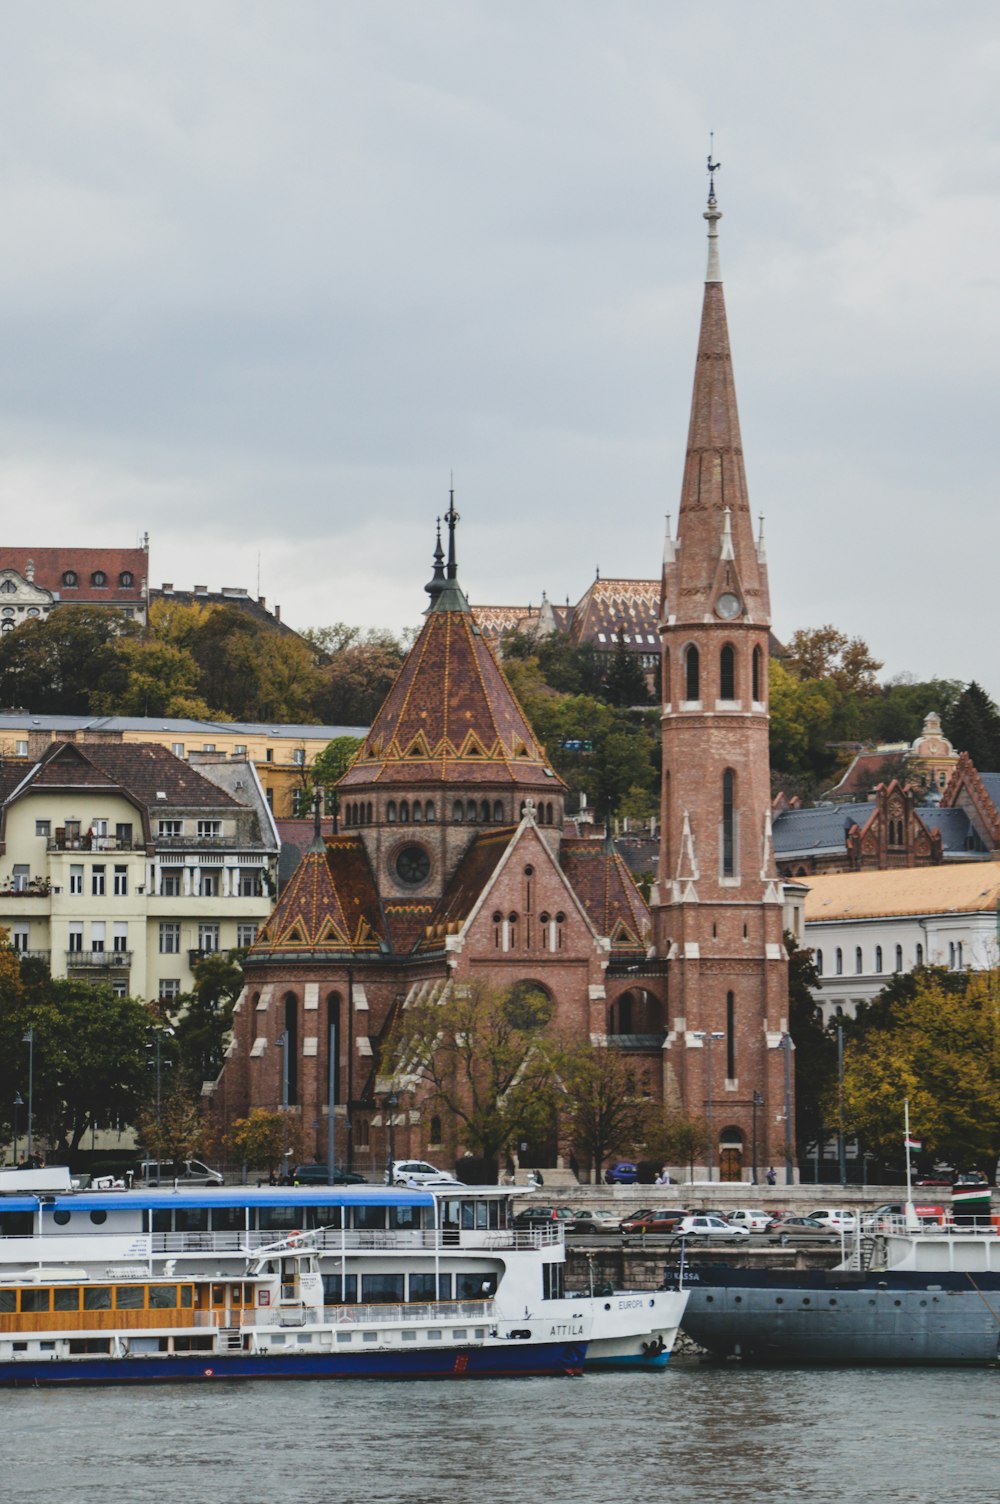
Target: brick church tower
x,y
717,905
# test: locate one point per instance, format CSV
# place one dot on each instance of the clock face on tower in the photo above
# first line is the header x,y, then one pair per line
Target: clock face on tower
x,y
412,865
728,605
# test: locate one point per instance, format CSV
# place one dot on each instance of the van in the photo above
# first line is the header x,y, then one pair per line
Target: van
x,y
183,1171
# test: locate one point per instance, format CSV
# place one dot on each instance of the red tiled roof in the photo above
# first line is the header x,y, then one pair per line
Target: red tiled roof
x,y
628,609
330,904
52,564
470,877
143,769
603,884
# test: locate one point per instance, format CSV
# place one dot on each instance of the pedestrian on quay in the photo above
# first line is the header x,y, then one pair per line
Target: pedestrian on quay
x,y
770,1177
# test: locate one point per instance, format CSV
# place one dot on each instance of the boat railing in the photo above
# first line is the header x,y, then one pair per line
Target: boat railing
x,y
368,1315
352,1240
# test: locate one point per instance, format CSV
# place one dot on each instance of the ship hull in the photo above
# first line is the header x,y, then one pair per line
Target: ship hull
x,y
837,1317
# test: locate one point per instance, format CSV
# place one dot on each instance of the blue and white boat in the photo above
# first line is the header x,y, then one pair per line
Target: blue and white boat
x,y
337,1282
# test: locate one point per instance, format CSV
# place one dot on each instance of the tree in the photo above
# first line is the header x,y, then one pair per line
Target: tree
x,y
177,1132
938,1048
204,1017
602,1112
683,1138
973,725
826,653
159,677
482,1056
815,1049
265,1139
59,664
357,675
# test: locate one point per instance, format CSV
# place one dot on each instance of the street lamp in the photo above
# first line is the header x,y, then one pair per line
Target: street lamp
x,y
391,1103
756,1101
18,1102
29,1040
841,1154
708,1038
157,1064
283,1042
786,1045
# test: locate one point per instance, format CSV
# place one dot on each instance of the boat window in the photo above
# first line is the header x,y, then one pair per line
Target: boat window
x,y
444,1287
477,1286
228,1219
482,1214
339,1291
98,1217
404,1217
161,1297
8,1300
323,1216
423,1287
468,1215
66,1299
61,1216
191,1219
97,1298
369,1217
279,1218
187,1296
382,1288
162,1221
35,1300
129,1297
16,1224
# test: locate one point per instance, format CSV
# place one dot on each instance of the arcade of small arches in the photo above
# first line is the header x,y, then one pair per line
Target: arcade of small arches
x,y
729,682
425,812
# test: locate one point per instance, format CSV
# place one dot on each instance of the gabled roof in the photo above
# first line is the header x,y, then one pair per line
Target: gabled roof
x,y
823,830
602,882
331,904
143,770
618,610
479,861
865,771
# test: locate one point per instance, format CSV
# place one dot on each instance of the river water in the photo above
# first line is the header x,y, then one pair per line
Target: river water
x,y
692,1433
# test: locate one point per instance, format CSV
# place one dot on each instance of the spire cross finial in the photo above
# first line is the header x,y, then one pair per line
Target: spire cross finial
x,y
713,167
713,214
451,517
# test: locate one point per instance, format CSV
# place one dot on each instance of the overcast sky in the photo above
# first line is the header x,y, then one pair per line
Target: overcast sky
x,y
269,273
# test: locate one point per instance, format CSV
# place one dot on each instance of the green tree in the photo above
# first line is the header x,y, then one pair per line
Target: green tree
x,y
973,725
204,1017
483,1057
159,677
356,671
60,663
683,1138
815,1050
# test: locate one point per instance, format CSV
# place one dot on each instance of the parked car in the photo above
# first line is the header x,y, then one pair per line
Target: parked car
x,y
752,1218
536,1216
935,1177
661,1219
184,1171
320,1175
417,1172
622,1173
836,1218
710,1225
592,1222
970,1178
786,1230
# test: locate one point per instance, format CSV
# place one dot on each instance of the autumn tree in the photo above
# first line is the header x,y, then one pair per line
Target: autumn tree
x,y
826,653
937,1046
355,671
815,1049
174,1131
265,1139
60,663
482,1056
603,1112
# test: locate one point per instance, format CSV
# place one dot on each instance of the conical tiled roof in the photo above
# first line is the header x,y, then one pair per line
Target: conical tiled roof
x,y
604,885
330,904
451,717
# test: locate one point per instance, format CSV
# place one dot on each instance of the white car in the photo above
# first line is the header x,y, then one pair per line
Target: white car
x,y
752,1218
836,1218
710,1226
417,1172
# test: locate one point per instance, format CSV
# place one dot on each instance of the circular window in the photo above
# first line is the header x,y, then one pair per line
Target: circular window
x,y
8,610
125,578
69,578
61,1217
98,577
34,611
413,864
98,1217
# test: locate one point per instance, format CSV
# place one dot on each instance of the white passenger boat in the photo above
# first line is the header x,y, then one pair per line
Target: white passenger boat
x,y
118,1286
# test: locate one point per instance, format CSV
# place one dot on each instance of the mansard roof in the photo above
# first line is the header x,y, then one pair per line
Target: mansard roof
x,y
49,567
603,883
823,831
330,905
610,610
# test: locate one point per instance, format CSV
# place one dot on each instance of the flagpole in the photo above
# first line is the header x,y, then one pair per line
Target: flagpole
x,y
911,1215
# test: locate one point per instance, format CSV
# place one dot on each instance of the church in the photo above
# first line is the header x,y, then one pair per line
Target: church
x,y
455,862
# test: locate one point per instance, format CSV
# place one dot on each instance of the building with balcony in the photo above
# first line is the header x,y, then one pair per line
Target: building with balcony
x,y
122,863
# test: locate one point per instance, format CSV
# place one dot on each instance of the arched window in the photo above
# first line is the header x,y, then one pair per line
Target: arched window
x,y
470,811
878,959
819,963
727,673
838,962
728,823
290,1051
458,812
435,1131
511,931
8,587
756,661
70,578
858,961
958,948
98,578
498,931
920,955
361,1133
497,812
730,1036
333,1035
418,812
126,579
899,958
430,814
665,673
484,812
404,812
390,812
691,681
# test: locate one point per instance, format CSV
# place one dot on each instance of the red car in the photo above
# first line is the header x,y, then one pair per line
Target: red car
x,y
665,1219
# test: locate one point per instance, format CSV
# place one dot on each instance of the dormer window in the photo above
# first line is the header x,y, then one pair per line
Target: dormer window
x,y
69,578
126,579
98,579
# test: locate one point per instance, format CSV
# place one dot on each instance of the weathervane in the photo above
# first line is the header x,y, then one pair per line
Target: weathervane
x,y
713,167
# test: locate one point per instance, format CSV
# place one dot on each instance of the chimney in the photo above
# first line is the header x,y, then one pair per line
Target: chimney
x,y
262,602
167,589
277,613
201,590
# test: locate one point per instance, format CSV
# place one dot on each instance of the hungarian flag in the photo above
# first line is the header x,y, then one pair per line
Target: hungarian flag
x,y
913,1143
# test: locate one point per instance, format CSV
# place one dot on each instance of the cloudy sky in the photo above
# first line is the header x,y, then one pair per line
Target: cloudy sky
x,y
270,273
